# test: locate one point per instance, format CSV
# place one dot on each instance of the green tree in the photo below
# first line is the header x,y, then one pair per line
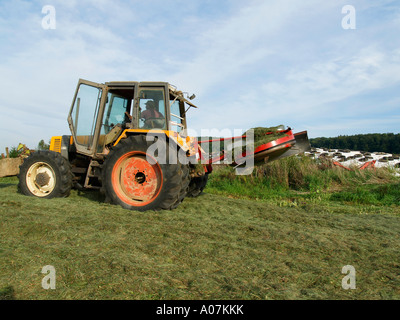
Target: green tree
x,y
43,145
372,142
14,153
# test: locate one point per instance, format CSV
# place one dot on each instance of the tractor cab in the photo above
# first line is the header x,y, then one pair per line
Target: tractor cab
x,y
100,113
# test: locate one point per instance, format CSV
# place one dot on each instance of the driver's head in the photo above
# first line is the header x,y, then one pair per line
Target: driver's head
x,y
150,104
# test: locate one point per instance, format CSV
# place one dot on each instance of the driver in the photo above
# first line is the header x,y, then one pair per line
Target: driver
x,y
151,112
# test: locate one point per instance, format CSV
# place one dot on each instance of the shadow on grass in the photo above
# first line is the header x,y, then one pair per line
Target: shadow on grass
x,y
7,293
92,195
97,196
6,185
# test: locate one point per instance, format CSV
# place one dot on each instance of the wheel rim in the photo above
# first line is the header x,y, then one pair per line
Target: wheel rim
x,y
41,179
135,180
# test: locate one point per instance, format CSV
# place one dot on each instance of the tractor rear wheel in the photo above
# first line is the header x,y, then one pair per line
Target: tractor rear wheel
x,y
45,174
134,180
185,180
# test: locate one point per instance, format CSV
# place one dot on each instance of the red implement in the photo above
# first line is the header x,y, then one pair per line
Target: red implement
x,y
288,144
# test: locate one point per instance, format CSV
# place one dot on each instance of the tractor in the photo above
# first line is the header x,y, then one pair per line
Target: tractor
x,y
113,128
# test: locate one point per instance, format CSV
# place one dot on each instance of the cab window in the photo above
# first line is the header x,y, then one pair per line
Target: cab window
x,y
177,120
116,113
152,109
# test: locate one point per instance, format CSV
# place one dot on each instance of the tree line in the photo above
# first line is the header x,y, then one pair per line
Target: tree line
x,y
372,142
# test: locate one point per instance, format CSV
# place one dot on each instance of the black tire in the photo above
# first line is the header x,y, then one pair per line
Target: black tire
x,y
197,185
45,174
185,180
122,179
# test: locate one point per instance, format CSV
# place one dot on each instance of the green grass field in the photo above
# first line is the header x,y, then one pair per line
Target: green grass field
x,y
241,239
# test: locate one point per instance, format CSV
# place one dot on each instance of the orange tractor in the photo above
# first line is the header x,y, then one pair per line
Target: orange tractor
x,y
119,133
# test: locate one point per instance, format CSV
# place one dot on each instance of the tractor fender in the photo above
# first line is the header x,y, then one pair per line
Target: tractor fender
x,y
171,139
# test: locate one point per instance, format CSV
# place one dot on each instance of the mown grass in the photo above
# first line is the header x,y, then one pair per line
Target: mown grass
x,y
211,247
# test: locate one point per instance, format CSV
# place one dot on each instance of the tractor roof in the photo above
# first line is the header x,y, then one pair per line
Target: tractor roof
x,y
172,89
130,83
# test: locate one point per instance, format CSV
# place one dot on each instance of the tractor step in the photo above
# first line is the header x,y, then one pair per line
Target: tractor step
x,y
93,175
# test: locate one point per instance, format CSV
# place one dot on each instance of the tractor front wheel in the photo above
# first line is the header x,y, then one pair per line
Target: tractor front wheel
x,y
45,174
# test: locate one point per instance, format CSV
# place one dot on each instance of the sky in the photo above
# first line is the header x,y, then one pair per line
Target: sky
x,y
309,65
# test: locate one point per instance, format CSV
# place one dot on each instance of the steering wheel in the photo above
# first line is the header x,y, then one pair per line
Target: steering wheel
x,y
108,127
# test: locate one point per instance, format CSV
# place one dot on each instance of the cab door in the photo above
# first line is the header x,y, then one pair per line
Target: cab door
x,y
85,115
117,114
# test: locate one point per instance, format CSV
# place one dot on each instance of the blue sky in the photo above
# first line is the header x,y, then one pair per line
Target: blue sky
x,y
250,63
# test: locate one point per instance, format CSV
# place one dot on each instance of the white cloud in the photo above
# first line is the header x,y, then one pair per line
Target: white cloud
x,y
308,93
226,47
250,63
292,93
